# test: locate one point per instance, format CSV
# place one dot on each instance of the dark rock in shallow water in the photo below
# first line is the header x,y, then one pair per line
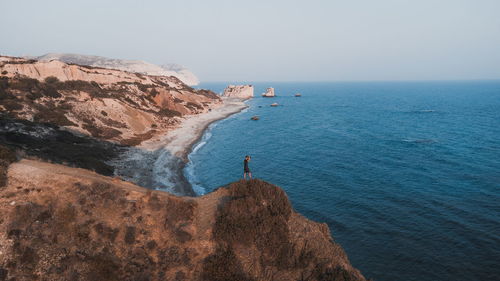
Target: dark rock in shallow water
x,y
61,223
50,143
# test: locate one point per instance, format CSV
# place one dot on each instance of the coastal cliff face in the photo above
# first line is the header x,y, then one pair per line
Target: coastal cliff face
x,y
60,222
135,66
239,91
63,223
108,104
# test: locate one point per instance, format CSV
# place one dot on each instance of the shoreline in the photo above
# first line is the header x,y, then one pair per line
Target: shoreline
x,y
159,163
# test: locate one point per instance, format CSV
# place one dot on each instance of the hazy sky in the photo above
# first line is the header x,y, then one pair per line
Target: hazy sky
x,y
270,40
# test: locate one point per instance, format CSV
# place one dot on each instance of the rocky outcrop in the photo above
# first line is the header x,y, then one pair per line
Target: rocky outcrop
x,y
239,91
108,104
269,93
135,66
63,223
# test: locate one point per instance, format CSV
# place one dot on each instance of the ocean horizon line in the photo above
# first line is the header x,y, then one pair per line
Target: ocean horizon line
x,y
352,81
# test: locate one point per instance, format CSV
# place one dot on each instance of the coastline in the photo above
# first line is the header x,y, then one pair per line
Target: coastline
x,y
159,163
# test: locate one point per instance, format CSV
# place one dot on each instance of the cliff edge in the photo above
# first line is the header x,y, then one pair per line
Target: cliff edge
x,y
63,223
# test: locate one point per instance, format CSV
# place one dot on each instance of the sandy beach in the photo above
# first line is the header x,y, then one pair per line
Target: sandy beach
x,y
158,163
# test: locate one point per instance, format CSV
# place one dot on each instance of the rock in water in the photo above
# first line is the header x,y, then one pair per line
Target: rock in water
x,y
239,91
269,93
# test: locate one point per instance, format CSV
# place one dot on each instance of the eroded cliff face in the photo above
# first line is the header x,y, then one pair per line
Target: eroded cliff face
x,y
135,66
107,104
63,223
239,91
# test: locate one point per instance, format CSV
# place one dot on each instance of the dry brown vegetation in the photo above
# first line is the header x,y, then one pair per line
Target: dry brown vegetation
x,y
7,156
133,102
75,225
257,214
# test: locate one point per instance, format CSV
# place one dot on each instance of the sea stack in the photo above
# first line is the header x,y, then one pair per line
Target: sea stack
x,y
239,91
269,93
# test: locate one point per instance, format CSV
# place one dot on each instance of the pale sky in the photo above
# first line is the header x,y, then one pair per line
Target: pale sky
x,y
273,40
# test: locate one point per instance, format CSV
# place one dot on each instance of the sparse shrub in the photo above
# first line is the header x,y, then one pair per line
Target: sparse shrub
x,y
151,245
25,84
51,92
106,231
12,105
4,72
4,82
7,156
154,92
207,93
223,265
165,112
51,80
193,106
46,115
130,235
143,87
93,89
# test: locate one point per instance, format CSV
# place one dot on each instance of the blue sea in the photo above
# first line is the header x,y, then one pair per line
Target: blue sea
x,y
406,174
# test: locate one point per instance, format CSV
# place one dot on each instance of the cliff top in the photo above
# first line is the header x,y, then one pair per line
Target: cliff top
x,y
73,224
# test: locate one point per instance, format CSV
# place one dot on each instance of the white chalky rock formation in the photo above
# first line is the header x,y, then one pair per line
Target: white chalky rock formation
x,y
135,66
269,93
239,91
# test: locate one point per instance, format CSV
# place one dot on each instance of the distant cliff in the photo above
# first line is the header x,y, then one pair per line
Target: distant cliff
x,y
62,223
108,104
136,66
239,91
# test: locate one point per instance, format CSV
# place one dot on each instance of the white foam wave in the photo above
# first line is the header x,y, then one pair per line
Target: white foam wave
x,y
189,169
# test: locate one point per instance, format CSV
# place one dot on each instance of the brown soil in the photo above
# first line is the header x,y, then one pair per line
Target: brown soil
x,y
63,223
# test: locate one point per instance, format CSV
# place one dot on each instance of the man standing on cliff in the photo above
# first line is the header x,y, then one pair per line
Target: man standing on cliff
x,y
246,170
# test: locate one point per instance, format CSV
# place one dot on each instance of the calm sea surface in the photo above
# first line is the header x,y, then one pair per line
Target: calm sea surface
x,y
407,175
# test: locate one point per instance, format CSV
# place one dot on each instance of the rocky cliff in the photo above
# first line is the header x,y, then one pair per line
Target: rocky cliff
x,y
63,223
239,91
135,66
108,104
269,93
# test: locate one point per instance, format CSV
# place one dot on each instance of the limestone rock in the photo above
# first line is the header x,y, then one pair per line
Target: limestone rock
x,y
269,93
136,66
239,91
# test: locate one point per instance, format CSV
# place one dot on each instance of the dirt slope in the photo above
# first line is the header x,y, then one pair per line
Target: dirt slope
x,y
62,223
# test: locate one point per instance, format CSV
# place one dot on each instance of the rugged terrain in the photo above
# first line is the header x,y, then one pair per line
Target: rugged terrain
x,y
107,104
63,223
135,66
